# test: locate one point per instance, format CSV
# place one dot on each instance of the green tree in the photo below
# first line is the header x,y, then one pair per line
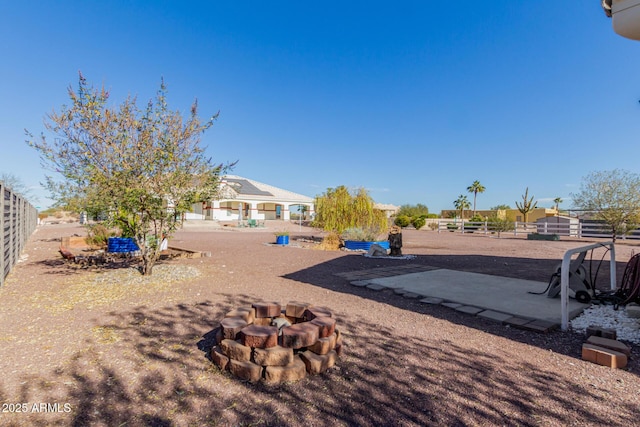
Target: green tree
x,y
500,207
413,211
527,204
475,188
402,221
500,225
338,209
144,168
614,197
461,203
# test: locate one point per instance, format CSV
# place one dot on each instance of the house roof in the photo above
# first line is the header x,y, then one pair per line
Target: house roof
x,y
245,188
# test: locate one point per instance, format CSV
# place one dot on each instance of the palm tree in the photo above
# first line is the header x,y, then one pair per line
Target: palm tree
x,y
475,188
461,203
557,201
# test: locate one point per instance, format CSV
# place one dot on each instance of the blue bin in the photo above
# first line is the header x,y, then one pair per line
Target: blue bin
x,y
282,240
121,245
356,245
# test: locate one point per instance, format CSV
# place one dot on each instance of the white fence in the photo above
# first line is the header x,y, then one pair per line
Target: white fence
x,y
18,219
574,229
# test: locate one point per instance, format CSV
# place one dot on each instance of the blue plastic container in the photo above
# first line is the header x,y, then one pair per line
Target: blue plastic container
x,y
121,245
282,240
356,245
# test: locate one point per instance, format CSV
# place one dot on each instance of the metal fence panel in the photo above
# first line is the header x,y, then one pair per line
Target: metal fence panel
x,y
18,220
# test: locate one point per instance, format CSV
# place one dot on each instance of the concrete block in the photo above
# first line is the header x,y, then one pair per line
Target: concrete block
x,y
412,295
375,287
219,359
262,321
246,370
469,309
312,312
432,300
296,309
300,335
451,304
236,351
267,309
326,326
494,315
516,321
294,371
360,283
324,345
259,336
245,313
610,344
273,356
231,327
603,356
316,363
543,326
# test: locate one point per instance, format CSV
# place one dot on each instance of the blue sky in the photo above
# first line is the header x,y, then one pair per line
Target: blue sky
x,y
413,100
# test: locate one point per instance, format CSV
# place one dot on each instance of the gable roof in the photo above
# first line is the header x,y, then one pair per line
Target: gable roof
x,y
245,188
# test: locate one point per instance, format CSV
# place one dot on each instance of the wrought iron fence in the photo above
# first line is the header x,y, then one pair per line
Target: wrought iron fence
x,y
18,219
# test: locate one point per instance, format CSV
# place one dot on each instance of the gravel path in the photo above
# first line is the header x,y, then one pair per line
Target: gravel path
x,y
103,347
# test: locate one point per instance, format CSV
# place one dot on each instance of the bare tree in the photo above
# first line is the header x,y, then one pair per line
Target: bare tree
x,y
614,197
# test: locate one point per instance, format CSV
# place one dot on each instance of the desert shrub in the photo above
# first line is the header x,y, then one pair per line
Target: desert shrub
x,y
433,226
500,225
418,222
331,242
476,218
402,221
98,235
362,234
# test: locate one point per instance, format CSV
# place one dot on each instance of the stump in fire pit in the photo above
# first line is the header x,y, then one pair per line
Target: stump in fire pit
x,y
266,342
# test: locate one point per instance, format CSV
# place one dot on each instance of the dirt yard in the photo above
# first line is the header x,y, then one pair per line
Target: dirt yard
x,y
106,347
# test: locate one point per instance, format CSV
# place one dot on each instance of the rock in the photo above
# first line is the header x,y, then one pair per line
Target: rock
x,y
377,250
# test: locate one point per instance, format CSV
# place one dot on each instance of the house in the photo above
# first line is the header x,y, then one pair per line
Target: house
x,y
243,198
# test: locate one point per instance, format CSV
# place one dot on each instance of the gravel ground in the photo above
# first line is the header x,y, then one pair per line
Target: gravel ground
x,y
103,347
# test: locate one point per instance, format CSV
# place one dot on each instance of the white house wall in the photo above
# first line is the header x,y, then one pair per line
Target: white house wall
x,y
261,202
228,210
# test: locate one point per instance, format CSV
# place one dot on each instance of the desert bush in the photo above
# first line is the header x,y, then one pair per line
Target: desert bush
x,y
402,221
476,218
98,235
499,225
331,242
362,234
418,222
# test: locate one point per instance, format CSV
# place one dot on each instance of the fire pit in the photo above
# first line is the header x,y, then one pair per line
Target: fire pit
x,y
265,342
